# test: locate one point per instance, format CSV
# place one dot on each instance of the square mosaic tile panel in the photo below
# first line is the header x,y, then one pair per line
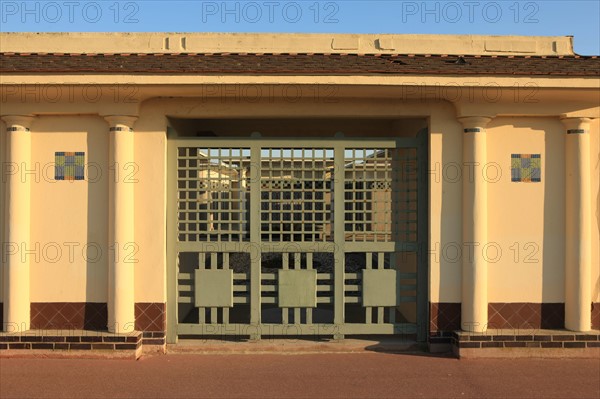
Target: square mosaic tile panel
x,y
526,168
69,165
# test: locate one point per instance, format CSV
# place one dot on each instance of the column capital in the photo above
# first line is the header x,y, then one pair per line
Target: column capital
x,y
16,123
474,124
576,124
120,122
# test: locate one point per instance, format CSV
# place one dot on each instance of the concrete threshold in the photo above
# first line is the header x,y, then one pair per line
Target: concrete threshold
x,y
294,346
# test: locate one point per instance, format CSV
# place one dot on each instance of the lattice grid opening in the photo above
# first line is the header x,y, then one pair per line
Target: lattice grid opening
x,y
380,194
296,194
214,189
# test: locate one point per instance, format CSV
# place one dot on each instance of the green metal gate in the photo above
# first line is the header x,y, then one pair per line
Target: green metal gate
x,y
296,237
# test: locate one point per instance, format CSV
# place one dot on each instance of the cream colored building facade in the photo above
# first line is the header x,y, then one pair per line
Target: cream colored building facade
x,y
500,250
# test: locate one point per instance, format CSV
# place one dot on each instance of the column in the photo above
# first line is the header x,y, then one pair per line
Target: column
x,y
18,195
578,234
121,306
474,309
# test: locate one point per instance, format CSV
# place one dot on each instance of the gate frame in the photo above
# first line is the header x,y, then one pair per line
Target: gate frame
x,y
422,283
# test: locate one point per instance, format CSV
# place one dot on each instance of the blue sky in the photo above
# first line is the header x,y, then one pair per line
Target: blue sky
x,y
548,17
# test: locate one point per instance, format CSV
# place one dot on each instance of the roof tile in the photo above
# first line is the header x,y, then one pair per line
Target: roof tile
x,y
299,64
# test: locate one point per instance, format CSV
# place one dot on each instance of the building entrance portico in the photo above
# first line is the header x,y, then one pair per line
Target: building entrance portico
x,y
442,189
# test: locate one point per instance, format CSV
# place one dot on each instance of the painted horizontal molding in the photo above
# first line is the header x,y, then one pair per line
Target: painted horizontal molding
x,y
439,81
120,129
17,129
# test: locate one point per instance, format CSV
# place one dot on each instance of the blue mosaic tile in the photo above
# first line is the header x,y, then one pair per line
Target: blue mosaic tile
x,y
69,165
526,168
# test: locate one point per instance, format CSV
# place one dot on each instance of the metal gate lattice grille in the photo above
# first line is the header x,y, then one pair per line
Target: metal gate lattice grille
x,y
296,240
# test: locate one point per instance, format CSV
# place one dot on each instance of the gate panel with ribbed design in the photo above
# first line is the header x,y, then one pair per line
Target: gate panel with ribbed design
x,y
282,237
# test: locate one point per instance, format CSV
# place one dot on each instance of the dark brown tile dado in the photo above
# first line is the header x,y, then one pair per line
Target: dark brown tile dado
x,y
526,315
444,316
574,344
596,316
62,340
536,340
552,344
150,316
69,315
491,345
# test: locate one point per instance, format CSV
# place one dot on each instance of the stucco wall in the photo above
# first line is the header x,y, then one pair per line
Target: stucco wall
x,y
2,203
150,206
526,220
595,162
150,153
69,218
69,235
445,212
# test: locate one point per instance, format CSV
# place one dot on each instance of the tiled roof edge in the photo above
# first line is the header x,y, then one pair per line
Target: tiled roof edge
x,y
576,56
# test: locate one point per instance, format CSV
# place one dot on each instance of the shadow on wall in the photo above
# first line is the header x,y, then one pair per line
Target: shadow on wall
x,y
445,315
553,179
97,177
596,289
451,222
3,224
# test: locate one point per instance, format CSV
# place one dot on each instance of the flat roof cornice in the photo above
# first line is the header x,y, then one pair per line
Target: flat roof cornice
x,y
165,42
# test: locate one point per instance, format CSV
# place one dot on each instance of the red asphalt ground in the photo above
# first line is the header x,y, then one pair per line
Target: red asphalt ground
x,y
362,375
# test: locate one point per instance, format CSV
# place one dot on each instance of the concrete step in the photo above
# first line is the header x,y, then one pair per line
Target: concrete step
x,y
71,344
532,343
